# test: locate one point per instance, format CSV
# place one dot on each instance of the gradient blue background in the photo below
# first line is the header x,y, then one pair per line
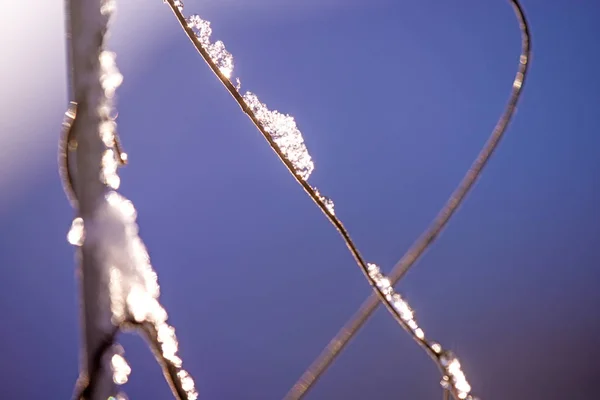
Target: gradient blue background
x,y
394,100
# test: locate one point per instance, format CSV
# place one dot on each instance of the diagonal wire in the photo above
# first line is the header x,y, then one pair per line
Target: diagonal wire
x,y
171,372
446,395
338,343
86,383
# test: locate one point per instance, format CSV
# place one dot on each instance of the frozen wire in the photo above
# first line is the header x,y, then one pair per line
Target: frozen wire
x,y
105,229
342,338
198,31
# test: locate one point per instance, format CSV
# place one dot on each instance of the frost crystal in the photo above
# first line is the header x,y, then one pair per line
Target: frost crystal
x,y
187,383
202,28
179,5
326,200
110,78
221,57
454,376
217,52
282,128
107,132
108,173
76,234
108,7
121,369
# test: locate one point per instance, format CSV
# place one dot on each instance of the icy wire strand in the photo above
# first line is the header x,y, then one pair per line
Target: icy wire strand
x,y
176,380
86,25
86,384
372,273
338,343
92,137
450,367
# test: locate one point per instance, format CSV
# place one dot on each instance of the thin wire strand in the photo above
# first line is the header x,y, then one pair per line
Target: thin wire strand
x,y
338,343
66,145
170,370
176,8
85,384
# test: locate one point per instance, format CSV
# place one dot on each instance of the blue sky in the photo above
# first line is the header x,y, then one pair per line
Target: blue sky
x,y
394,100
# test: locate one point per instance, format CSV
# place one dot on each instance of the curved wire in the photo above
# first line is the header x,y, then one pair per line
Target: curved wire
x,y
67,144
379,295
338,343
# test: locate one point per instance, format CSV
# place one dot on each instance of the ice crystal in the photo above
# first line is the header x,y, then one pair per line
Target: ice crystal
x,y
217,51
121,369
281,127
284,132
221,57
76,234
110,77
107,132
454,377
202,29
187,383
326,201
178,4
108,174
108,7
